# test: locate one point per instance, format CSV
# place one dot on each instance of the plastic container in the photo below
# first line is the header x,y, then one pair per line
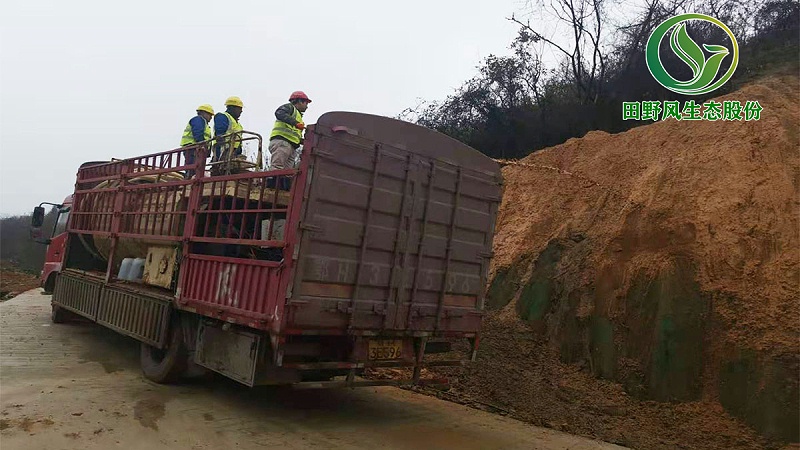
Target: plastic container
x,y
277,229
125,269
137,270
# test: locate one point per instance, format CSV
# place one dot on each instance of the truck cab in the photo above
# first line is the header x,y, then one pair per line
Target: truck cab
x,y
56,241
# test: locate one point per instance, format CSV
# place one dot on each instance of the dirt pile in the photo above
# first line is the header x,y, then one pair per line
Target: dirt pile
x,y
14,281
645,284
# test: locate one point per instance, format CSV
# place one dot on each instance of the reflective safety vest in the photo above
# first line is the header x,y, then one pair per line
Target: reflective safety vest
x,y
288,132
188,137
233,127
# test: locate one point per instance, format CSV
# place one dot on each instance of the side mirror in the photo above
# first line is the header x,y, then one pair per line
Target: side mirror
x,y
37,219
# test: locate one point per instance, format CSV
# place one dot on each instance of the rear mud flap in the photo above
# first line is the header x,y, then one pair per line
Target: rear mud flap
x,y
233,353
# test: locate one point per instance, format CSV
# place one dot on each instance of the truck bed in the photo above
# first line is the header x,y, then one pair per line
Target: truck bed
x,y
386,229
389,232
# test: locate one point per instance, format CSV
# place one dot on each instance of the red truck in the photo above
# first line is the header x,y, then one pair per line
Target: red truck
x,y
372,253
55,243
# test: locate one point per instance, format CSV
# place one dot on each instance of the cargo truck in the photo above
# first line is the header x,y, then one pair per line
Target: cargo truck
x,y
372,252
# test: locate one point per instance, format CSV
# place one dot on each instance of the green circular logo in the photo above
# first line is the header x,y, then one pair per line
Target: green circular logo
x,y
704,70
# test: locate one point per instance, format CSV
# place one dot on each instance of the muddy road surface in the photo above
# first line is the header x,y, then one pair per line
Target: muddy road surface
x,y
77,386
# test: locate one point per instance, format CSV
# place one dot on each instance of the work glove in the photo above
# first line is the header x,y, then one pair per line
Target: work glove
x,y
300,126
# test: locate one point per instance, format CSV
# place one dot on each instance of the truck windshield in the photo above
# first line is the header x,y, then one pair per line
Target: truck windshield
x,y
61,223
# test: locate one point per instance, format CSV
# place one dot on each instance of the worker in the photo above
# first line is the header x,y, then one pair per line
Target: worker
x,y
225,123
287,134
196,131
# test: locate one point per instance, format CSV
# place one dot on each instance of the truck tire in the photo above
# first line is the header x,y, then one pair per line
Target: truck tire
x,y
49,285
165,365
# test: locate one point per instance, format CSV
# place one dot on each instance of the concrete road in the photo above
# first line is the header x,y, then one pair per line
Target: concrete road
x,y
77,386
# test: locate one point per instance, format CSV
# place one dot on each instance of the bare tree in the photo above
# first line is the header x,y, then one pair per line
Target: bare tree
x,y
584,54
515,104
634,35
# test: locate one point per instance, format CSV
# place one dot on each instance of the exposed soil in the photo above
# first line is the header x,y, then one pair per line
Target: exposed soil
x,y
14,281
645,284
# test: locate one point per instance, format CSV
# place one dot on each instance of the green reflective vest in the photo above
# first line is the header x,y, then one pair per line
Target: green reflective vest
x,y
288,132
233,127
188,138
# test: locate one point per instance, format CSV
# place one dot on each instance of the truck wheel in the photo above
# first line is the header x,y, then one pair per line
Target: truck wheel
x,y
165,365
49,285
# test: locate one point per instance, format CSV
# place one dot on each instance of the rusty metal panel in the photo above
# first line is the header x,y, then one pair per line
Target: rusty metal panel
x,y
234,287
159,266
233,353
139,316
78,295
398,226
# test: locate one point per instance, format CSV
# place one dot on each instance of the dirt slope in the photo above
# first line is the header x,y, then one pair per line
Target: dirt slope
x,y
646,284
14,281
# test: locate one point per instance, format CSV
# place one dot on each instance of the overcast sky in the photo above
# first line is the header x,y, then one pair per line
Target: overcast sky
x,y
89,80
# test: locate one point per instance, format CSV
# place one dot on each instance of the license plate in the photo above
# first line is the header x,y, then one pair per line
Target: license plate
x,y
385,349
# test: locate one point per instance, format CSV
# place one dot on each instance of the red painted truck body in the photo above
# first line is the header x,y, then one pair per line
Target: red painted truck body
x,y
378,251
56,244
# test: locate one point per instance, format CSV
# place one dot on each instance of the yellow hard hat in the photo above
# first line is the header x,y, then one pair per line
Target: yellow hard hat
x,y
234,101
206,108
